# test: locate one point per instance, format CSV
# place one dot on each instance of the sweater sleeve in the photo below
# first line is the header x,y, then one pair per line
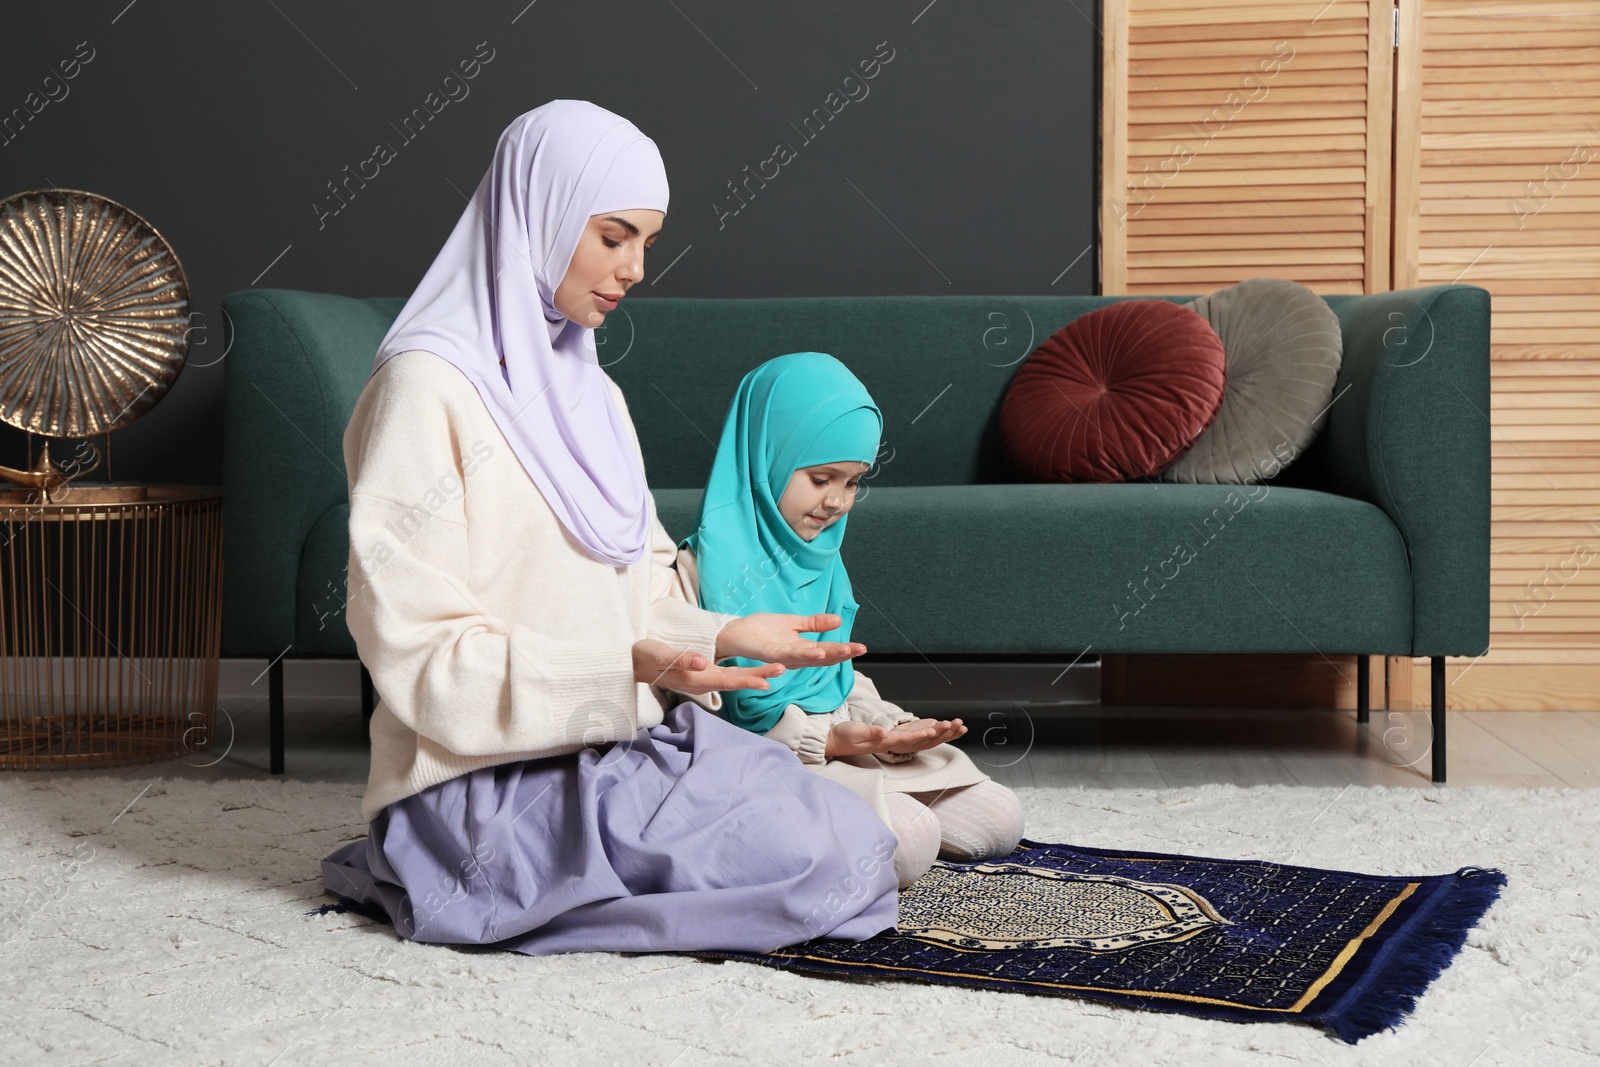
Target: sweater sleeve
x,y
473,682
674,617
804,732
865,705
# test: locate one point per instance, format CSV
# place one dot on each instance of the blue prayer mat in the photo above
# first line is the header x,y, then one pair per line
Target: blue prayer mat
x,y
1243,940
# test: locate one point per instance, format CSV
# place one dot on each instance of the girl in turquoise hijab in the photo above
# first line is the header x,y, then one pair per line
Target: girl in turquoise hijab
x,y
794,411
800,433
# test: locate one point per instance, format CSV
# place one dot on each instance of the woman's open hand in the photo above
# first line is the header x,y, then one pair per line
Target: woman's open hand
x,y
772,637
658,663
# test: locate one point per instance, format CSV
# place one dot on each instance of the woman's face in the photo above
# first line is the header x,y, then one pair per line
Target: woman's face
x,y
609,260
816,496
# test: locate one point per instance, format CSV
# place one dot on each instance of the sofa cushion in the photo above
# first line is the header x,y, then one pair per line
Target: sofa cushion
x,y
1113,395
1268,569
1283,351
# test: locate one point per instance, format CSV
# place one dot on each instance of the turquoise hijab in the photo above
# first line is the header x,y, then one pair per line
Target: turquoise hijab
x,y
792,411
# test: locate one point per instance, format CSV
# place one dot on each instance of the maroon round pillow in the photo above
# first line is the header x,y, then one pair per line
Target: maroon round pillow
x,y
1113,395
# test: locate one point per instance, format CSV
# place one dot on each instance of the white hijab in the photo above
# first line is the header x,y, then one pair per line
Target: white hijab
x,y
536,370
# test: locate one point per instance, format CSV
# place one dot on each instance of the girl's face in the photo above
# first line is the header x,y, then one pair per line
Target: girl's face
x,y
816,496
609,260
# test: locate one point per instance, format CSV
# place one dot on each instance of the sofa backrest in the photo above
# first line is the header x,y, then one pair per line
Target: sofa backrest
x,y
937,366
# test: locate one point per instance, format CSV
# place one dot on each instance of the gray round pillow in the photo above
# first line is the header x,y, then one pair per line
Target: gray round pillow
x,y
1283,349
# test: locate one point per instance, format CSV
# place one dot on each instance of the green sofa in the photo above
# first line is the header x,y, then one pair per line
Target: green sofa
x,y
1375,540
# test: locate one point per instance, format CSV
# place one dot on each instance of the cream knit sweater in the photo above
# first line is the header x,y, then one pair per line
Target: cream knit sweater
x,y
490,634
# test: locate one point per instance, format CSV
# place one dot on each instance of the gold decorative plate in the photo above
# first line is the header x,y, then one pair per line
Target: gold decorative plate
x,y
94,314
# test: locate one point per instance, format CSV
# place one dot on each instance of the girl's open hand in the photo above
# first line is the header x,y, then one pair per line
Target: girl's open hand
x,y
855,739
915,735
658,663
772,637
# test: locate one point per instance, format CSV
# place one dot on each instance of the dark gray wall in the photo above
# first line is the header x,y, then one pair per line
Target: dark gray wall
x,y
965,165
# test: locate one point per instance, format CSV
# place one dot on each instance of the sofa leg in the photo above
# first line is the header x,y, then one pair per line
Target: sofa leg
x,y
368,701
275,713
1363,688
1438,718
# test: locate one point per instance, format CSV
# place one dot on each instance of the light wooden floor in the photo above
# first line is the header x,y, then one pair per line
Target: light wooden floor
x,y
1023,744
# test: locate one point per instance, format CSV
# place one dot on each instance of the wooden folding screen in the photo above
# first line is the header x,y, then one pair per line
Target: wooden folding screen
x,y
1497,183
1244,139
1250,139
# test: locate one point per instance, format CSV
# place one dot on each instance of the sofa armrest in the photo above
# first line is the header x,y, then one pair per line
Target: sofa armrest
x,y
1408,431
295,364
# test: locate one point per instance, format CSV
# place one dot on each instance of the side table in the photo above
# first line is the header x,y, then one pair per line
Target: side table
x,y
110,623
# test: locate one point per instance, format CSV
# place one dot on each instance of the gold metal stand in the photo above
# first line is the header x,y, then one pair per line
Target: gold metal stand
x,y
110,623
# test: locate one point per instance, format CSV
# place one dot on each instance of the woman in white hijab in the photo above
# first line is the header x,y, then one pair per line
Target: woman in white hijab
x,y
538,782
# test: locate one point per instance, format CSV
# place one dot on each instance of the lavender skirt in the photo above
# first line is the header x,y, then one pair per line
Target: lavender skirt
x,y
694,834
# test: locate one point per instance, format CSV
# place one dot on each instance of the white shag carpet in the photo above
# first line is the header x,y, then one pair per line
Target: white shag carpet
x,y
168,925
